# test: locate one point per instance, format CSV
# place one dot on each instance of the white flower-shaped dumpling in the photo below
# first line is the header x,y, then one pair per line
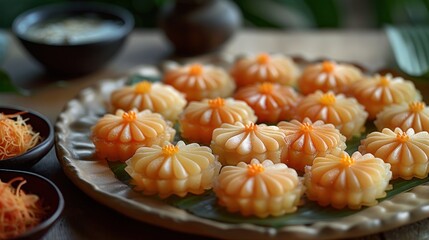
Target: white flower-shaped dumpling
x,y
198,81
117,137
239,142
173,169
346,114
406,151
343,181
328,76
413,115
307,140
157,97
199,119
264,68
261,189
379,91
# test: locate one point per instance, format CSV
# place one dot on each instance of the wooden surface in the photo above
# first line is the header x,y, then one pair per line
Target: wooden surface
x,y
84,218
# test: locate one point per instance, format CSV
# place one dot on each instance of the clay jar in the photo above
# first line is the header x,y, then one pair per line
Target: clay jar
x,y
199,26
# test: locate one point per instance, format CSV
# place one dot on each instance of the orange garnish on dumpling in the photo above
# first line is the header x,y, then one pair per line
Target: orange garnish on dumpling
x,y
259,188
307,140
406,151
117,137
346,114
199,119
199,81
341,180
264,68
328,76
413,115
380,91
157,97
271,102
239,142
173,169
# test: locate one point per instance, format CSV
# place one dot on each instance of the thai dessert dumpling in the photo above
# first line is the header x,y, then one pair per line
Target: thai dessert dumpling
x,y
406,151
271,102
307,140
239,142
346,114
264,68
197,81
259,189
413,115
379,91
157,97
173,169
117,136
328,76
199,119
341,180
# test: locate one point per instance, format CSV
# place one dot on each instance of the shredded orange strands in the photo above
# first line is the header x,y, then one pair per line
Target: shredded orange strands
x,y
18,211
16,137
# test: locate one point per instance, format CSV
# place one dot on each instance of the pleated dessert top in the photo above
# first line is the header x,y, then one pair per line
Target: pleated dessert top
x,y
173,169
328,76
157,97
232,141
199,81
117,136
380,91
261,184
199,119
341,180
346,114
406,115
406,151
271,102
264,68
132,126
311,137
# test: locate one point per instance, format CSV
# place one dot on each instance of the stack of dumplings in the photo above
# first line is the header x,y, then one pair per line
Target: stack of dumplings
x,y
266,137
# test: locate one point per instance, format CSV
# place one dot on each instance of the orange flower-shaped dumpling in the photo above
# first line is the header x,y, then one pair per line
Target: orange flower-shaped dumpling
x,y
239,142
377,92
343,181
264,68
157,97
328,75
406,151
199,119
198,82
406,115
307,140
260,189
173,169
346,114
271,102
117,137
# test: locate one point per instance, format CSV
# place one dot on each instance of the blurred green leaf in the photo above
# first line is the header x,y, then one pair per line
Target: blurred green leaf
x,y
6,84
136,78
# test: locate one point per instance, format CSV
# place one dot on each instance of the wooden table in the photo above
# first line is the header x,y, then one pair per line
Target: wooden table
x,y
84,218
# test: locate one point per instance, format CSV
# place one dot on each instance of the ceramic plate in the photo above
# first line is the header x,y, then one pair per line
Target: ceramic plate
x,y
75,152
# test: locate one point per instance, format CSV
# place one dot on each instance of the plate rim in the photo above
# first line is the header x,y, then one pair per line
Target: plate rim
x,y
369,221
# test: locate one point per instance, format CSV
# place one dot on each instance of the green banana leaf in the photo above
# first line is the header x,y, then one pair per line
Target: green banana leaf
x,y
206,206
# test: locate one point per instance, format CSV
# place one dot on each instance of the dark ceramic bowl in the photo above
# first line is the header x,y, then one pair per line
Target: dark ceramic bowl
x,y
39,124
78,58
50,195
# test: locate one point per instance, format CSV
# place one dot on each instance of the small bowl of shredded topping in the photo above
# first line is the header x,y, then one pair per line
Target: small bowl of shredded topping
x,y
29,205
26,137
